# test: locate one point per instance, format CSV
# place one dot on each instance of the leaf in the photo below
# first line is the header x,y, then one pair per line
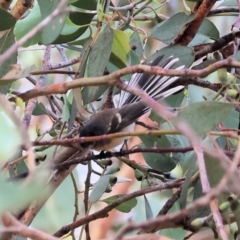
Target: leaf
x,y
159,162
97,61
6,41
214,173
207,30
18,168
81,18
70,32
39,109
125,207
15,73
24,193
167,31
200,211
60,214
67,107
120,49
171,101
77,102
114,168
185,55
136,44
149,213
134,58
53,29
203,116
26,24
11,141
99,188
229,3
7,21
186,184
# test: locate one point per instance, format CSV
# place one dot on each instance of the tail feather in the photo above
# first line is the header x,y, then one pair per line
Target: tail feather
x,y
155,86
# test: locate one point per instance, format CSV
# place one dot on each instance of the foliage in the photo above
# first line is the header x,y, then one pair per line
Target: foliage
x,y
183,174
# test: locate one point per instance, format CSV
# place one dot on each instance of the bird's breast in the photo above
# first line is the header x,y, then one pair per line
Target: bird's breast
x,y
108,144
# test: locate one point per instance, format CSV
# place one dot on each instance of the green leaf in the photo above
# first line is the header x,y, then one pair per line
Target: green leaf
x,y
97,61
214,173
203,116
52,30
200,211
229,3
114,168
134,58
15,73
136,44
171,101
207,30
67,107
18,168
81,18
70,33
77,103
159,162
7,21
60,214
125,207
167,31
99,188
186,184
148,210
88,5
6,41
185,55
11,141
39,109
22,193
120,49
26,24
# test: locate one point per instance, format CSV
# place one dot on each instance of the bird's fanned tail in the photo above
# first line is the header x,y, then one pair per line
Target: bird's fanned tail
x,y
157,87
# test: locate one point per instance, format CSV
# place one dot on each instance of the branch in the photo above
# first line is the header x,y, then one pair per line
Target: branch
x,y
11,225
104,212
113,78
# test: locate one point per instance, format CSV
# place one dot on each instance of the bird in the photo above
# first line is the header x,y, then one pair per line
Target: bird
x,y
130,107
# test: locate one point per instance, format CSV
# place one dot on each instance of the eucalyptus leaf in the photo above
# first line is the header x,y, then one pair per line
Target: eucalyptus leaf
x,y
99,188
207,30
7,20
124,207
24,194
18,168
67,108
26,24
6,41
166,31
136,44
97,61
185,55
120,49
200,211
159,162
186,184
15,73
148,210
12,137
39,109
52,30
229,3
203,116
